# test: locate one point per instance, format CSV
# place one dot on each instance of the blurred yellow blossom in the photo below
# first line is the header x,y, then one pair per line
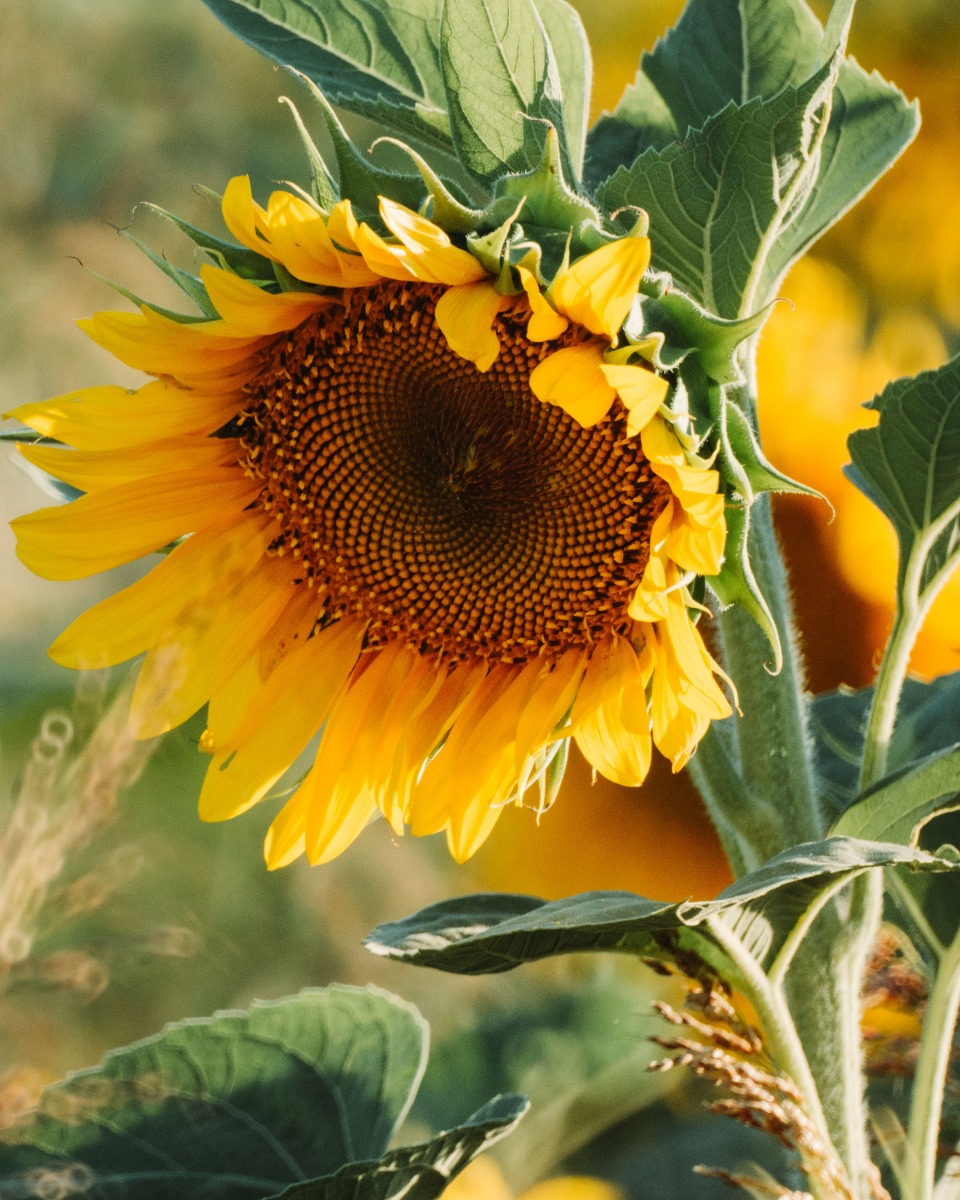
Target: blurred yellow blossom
x,y
482,1180
823,356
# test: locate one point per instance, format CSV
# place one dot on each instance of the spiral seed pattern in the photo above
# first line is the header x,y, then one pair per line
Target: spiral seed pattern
x,y
448,507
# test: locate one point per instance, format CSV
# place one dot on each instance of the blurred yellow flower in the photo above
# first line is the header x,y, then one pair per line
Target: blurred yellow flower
x,y
822,357
482,1180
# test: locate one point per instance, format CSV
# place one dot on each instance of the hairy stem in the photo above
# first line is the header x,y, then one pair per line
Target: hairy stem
x,y
929,1084
886,695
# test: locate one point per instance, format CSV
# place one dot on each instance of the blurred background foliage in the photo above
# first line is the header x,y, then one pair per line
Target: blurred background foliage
x,y
105,105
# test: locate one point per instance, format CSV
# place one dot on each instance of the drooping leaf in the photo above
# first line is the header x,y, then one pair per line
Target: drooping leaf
x,y
501,84
242,1104
909,466
378,58
419,1172
488,933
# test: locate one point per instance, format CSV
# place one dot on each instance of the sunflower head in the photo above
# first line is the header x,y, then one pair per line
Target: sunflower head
x,y
436,486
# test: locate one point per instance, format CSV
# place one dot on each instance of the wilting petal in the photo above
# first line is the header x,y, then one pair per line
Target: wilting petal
x,y
545,322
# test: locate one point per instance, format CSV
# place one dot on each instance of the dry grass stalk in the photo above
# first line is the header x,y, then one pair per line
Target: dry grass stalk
x,y
724,1049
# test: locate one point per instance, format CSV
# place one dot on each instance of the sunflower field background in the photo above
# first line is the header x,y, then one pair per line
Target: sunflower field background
x,y
160,917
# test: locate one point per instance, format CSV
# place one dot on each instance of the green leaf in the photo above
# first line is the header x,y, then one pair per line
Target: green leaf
x,y
897,808
485,933
747,54
373,57
571,52
241,1104
909,466
419,1172
928,721
871,124
718,199
501,82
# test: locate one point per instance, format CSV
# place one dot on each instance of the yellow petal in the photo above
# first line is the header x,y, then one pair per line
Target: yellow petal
x,y
468,828
342,792
111,418
433,257
598,289
545,322
245,219
465,316
285,840
142,615
285,713
609,719
102,531
140,340
641,391
208,645
572,379
699,545
96,470
248,309
432,796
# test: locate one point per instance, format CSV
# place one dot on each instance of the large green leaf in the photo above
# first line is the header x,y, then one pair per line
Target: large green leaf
x,y
909,466
745,54
501,80
488,933
379,58
419,1172
718,199
242,1104
719,51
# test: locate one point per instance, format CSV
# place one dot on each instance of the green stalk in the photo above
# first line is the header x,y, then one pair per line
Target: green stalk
x,y
929,1084
759,783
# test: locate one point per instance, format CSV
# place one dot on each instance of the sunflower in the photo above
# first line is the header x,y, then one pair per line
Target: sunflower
x,y
443,522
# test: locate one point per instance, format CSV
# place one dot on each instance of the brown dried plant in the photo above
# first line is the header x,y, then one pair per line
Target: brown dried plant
x,y
79,766
719,1045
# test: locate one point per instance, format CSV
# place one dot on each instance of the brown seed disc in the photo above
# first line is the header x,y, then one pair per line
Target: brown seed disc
x,y
447,506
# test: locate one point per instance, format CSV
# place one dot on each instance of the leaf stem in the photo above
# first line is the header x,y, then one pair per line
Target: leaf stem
x,y
886,695
929,1085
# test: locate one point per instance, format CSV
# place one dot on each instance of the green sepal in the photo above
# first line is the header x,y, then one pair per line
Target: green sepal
x,y
549,202
689,327
761,474
736,583
239,259
180,318
441,206
491,249
324,189
360,179
189,284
